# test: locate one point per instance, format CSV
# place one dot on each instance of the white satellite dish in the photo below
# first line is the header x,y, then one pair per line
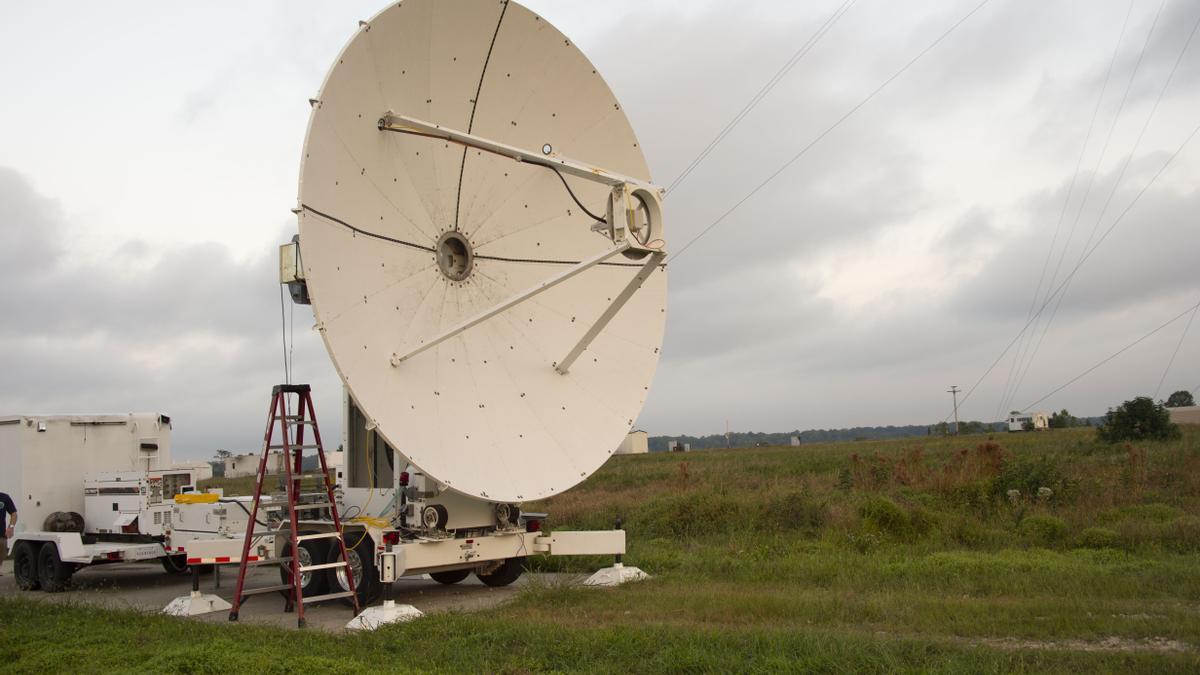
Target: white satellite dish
x,y
494,333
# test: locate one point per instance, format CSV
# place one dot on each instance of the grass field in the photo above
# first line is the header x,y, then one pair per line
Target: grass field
x,y
1026,552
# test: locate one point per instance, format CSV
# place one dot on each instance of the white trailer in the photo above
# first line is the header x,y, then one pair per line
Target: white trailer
x,y
1034,421
95,489
89,491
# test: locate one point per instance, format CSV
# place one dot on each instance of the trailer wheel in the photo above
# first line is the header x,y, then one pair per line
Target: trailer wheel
x,y
53,573
508,571
25,566
450,576
362,564
311,553
175,564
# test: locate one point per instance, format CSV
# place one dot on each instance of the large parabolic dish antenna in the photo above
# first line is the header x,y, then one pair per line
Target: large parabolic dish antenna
x,y
494,332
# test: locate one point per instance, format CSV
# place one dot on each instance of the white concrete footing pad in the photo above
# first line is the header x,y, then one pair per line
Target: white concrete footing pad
x,y
196,603
615,576
389,612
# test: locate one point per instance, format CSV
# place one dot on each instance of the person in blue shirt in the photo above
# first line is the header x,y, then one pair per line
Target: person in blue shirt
x,y
10,519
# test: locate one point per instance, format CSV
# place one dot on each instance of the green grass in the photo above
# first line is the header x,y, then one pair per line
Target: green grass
x,y
911,555
244,485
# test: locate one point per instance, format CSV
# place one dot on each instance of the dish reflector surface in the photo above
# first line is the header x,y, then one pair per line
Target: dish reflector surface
x,y
404,236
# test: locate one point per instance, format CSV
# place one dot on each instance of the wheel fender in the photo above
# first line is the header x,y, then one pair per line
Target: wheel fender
x,y
70,545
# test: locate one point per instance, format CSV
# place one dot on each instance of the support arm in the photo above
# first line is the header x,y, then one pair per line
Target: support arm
x,y
411,125
617,303
398,358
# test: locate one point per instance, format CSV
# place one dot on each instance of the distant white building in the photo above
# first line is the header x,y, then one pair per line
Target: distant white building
x,y
200,470
1039,420
247,464
795,441
676,446
636,442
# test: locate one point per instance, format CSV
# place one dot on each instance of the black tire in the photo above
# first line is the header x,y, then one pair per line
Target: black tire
x,y
362,562
25,566
450,577
508,571
175,564
312,552
53,574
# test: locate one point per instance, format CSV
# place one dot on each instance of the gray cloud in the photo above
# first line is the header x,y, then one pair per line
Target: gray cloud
x,y
191,332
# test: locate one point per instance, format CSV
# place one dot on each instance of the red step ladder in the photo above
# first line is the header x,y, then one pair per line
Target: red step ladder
x,y
291,432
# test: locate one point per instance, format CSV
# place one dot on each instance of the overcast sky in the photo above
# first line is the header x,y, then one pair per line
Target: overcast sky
x,y
149,153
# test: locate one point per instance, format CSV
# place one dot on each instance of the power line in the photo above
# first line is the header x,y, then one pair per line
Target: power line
x,y
1005,396
1114,355
1082,260
828,130
762,93
1175,353
1116,184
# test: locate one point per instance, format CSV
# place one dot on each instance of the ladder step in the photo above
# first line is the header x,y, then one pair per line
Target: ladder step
x,y
266,589
294,447
319,535
328,596
322,566
318,505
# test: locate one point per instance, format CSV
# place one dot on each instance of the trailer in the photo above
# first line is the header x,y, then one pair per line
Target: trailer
x,y
90,492
1032,421
97,490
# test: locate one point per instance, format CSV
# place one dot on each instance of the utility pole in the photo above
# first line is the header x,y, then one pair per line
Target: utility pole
x,y
728,442
954,391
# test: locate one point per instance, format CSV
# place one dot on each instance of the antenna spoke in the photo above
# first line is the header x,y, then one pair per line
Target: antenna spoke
x,y
515,300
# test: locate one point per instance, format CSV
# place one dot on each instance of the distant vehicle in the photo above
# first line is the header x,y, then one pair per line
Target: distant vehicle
x,y
1036,421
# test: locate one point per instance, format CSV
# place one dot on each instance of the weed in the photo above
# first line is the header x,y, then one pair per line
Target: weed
x,y
793,510
1042,530
885,517
1099,537
1029,475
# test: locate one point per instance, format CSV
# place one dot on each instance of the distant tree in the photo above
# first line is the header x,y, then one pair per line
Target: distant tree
x,y
1181,399
972,427
1028,425
1139,419
1063,420
224,454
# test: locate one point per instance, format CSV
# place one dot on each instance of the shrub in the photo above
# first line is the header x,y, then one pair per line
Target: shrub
x,y
884,515
921,521
971,533
1028,476
794,511
1182,535
689,514
1043,530
1099,537
1139,419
